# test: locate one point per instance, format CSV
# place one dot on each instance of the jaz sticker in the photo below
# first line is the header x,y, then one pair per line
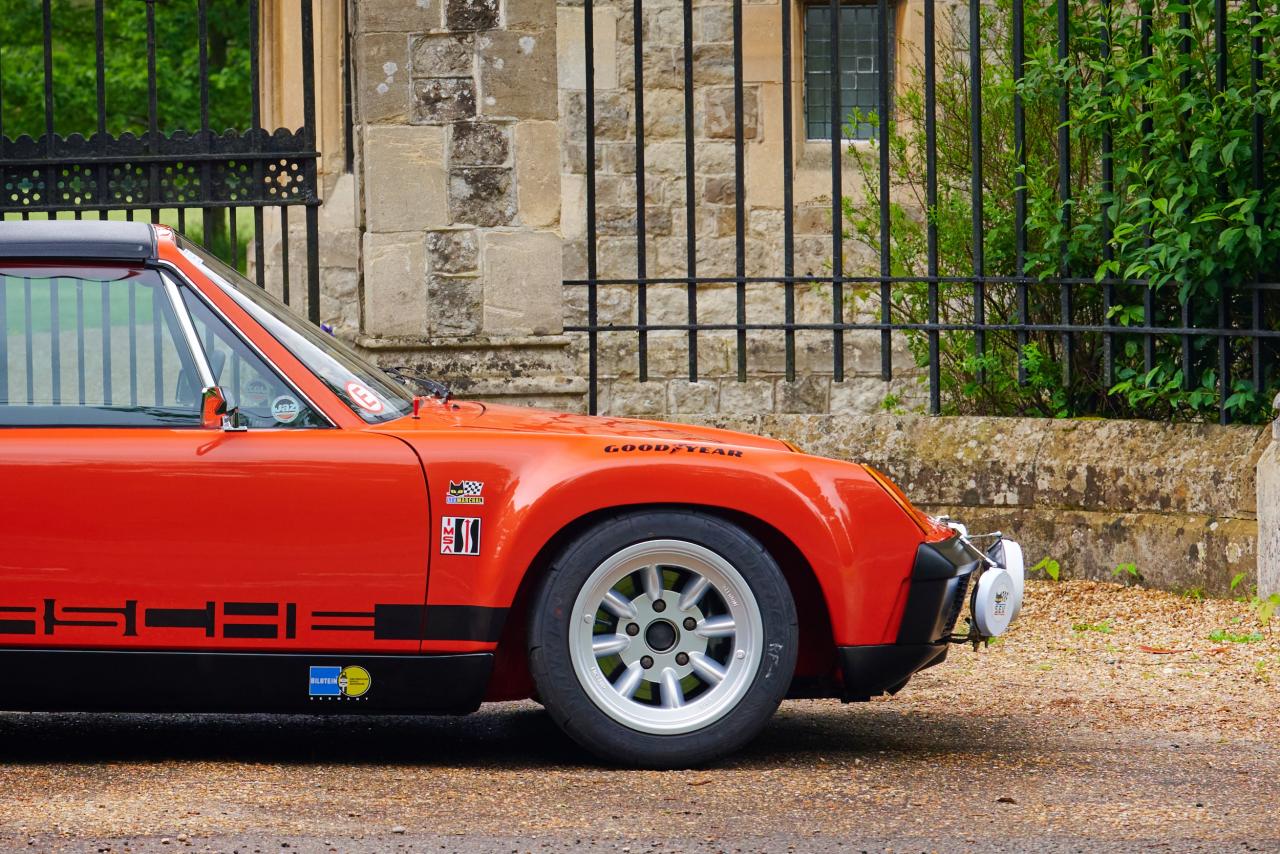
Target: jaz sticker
x,y
338,682
255,395
285,409
460,535
465,492
363,398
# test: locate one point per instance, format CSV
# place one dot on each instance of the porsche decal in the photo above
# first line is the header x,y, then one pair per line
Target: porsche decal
x,y
415,622
259,620
14,624
72,615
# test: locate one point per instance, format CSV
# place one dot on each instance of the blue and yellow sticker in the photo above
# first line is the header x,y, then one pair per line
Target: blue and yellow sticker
x,y
333,681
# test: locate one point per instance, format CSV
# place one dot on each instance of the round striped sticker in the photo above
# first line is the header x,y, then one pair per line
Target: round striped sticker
x,y
364,398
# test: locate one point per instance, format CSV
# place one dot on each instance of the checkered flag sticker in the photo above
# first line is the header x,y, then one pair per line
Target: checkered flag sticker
x,y
465,492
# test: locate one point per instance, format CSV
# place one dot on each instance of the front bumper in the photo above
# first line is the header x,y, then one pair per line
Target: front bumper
x,y
940,579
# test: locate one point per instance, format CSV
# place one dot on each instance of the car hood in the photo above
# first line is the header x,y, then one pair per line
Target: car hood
x,y
492,416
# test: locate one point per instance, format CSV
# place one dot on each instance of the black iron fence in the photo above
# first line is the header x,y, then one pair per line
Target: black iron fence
x,y
1221,336
175,168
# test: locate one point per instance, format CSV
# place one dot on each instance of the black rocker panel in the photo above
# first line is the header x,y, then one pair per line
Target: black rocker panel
x,y
57,680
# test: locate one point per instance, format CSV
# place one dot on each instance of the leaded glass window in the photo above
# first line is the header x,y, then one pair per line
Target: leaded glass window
x,y
859,67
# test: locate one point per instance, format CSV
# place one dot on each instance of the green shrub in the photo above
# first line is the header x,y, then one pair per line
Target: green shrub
x,y
1183,214
125,32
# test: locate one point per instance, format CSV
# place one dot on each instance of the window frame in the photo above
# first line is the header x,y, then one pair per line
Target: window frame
x,y
264,315
890,68
109,416
234,330
189,349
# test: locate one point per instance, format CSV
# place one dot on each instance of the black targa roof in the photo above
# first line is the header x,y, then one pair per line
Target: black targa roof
x,y
99,240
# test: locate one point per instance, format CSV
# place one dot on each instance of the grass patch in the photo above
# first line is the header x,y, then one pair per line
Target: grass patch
x,y
1224,636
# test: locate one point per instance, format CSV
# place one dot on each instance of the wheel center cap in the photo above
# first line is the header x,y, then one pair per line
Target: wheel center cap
x,y
661,636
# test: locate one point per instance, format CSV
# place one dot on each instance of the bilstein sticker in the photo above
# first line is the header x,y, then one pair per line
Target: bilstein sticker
x,y
324,682
338,682
354,681
663,448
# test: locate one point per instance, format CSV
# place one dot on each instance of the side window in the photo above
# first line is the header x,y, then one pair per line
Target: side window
x,y
258,395
91,346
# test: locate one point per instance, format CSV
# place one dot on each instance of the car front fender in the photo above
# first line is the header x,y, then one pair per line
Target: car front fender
x,y
857,542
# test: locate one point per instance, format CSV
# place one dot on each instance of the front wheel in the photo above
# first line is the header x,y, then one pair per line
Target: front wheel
x,y
663,638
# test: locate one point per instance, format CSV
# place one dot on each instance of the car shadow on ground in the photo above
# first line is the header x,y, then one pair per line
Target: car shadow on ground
x,y
507,735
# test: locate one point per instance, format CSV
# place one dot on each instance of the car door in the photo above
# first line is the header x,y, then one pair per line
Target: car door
x,y
126,525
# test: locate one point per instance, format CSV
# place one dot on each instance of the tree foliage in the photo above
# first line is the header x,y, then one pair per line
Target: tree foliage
x,y
127,76
1186,213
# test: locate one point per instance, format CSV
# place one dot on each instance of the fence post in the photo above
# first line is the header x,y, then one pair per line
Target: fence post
x,y
1269,514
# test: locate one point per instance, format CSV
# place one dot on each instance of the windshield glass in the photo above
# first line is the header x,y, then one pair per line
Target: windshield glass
x,y
369,392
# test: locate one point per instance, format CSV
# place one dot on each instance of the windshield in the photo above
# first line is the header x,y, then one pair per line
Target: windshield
x,y
369,392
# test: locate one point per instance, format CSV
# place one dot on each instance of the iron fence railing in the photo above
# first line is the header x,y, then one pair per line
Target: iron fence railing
x,y
1242,314
225,174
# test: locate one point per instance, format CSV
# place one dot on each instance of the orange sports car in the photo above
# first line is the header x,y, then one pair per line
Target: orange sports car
x,y
208,504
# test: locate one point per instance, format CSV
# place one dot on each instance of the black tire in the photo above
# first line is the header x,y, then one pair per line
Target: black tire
x,y
577,713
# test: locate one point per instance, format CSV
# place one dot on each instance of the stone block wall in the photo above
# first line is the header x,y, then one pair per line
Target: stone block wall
x,y
668,390
449,223
457,104
1176,500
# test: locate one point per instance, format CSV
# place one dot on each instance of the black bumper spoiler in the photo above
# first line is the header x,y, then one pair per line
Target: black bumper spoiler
x,y
935,599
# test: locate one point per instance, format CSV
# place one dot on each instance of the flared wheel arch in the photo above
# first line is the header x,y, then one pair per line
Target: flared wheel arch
x,y
817,659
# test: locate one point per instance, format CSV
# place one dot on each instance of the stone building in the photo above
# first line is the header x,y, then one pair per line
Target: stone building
x,y
451,226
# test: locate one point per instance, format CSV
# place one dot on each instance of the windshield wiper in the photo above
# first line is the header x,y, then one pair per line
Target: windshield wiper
x,y
433,388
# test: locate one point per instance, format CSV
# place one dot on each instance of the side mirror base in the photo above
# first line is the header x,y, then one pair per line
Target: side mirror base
x,y
214,414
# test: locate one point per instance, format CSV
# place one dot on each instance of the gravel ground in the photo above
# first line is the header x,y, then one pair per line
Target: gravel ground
x,y
1107,720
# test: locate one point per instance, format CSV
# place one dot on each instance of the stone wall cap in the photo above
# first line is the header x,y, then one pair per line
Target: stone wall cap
x,y
1082,464
515,342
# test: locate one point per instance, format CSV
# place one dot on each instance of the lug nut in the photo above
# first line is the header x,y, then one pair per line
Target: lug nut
x,y
633,629
690,623
646,662
682,658
660,605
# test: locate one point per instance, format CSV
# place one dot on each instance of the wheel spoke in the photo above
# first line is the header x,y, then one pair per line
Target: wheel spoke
x,y
716,627
603,645
620,607
651,578
629,681
672,695
708,669
692,592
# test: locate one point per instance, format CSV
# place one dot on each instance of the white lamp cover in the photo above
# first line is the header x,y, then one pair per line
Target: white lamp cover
x,y
993,605
1015,565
